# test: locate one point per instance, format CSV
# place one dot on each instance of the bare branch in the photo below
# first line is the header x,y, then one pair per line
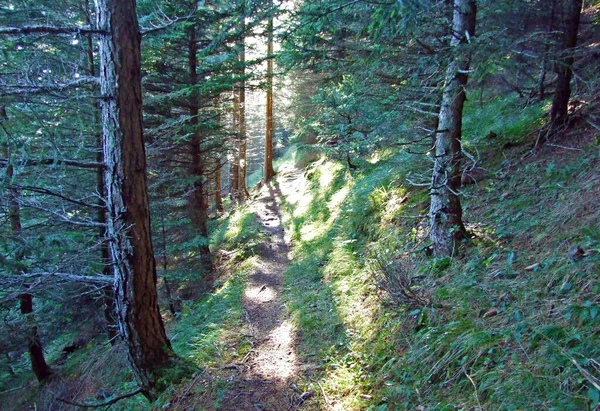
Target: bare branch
x,y
53,161
41,29
167,24
45,191
7,89
100,279
65,219
50,162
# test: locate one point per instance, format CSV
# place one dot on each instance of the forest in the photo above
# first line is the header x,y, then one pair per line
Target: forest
x,y
300,205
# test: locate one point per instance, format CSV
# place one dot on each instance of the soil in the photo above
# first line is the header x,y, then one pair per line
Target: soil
x,y
266,378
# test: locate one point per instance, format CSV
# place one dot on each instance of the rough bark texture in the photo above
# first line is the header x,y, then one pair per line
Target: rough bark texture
x,y
197,203
140,323
107,291
564,67
234,169
542,81
445,213
269,171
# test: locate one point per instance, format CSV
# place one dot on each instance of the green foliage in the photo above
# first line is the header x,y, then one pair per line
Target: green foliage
x,y
494,333
198,333
238,232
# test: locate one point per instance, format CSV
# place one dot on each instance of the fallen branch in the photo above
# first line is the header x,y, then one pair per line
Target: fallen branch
x,y
327,404
585,373
101,404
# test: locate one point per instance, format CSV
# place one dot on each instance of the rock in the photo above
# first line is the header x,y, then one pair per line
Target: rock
x,y
576,253
306,395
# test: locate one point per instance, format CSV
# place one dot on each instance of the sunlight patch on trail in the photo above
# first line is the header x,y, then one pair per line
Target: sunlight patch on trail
x,y
260,294
278,362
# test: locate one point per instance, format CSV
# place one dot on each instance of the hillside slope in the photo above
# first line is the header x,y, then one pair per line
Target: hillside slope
x,y
508,323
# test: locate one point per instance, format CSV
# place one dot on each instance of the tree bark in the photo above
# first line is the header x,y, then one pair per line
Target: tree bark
x,y
445,213
218,183
269,172
34,345
107,291
242,189
198,205
234,169
564,67
542,81
128,218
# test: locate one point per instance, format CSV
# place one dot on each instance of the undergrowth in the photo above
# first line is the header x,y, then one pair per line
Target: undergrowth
x,y
511,323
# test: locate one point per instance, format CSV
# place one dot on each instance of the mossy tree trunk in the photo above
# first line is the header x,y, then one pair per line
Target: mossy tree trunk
x,y
128,214
446,225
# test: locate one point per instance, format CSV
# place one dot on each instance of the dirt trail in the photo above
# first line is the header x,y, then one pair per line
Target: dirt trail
x,y
265,379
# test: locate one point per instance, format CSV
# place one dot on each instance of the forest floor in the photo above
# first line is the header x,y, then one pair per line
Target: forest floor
x,y
266,377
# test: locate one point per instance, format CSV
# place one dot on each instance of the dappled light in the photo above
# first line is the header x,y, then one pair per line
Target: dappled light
x,y
342,205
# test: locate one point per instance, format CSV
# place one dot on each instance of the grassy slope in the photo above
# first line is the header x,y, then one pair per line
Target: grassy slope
x,y
486,330
490,332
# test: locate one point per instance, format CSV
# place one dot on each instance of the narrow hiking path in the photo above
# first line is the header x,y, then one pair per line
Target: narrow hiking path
x,y
265,380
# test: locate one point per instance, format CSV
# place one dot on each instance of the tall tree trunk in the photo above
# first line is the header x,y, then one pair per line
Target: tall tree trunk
x,y
107,291
197,202
242,189
34,343
269,172
445,213
174,305
128,213
542,82
234,169
564,67
218,184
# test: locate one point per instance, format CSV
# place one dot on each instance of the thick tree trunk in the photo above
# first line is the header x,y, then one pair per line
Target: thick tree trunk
x,y
128,217
269,172
564,67
198,204
34,343
445,213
